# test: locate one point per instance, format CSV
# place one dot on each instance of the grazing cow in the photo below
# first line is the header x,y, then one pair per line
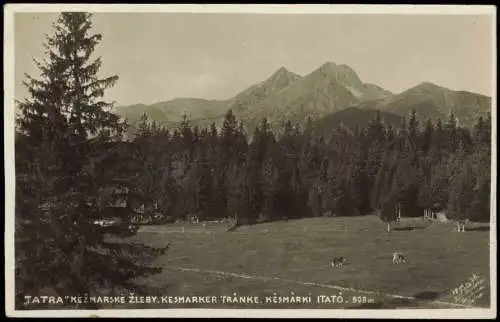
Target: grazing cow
x,y
338,261
398,258
195,219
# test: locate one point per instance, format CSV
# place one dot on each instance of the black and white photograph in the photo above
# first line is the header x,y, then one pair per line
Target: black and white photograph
x,y
250,160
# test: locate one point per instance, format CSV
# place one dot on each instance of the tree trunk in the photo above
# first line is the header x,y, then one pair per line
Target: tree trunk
x,y
389,227
399,211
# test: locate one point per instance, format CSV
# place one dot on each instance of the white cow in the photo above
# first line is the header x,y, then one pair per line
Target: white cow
x,y
398,258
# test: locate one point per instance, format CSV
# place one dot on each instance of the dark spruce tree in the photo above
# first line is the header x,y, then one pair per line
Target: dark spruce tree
x,y
451,133
461,194
205,208
425,143
66,141
228,137
413,128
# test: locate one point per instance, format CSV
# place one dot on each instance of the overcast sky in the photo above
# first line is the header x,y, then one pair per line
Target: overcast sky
x,y
160,56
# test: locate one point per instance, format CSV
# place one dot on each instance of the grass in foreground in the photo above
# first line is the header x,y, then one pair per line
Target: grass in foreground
x,y
276,257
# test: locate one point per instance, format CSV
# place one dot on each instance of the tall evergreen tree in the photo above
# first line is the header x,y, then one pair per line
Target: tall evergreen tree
x,y
268,184
204,184
413,128
482,132
239,197
228,137
144,128
188,137
451,133
438,141
390,134
461,195
426,142
68,138
376,129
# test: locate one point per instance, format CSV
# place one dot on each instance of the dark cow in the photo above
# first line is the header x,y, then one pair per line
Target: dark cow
x,y
338,261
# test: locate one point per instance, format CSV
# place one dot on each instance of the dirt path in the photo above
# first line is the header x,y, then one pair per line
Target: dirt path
x,y
433,303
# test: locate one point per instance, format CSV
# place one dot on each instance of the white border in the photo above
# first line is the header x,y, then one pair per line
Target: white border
x,y
9,84
260,9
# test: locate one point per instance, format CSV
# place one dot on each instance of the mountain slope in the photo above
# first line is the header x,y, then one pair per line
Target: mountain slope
x,y
314,95
171,112
433,101
194,107
348,78
202,111
284,95
134,112
353,117
258,92
373,92
328,89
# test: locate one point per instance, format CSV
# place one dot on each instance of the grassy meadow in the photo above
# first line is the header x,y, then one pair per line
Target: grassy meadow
x,y
294,256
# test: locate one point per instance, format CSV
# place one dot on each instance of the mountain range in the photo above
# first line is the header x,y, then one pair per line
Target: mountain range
x,y
321,94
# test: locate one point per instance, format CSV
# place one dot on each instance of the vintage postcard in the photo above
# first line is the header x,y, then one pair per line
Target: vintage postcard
x,y
328,161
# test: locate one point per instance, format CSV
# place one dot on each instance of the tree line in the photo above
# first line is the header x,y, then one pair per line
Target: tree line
x,y
414,169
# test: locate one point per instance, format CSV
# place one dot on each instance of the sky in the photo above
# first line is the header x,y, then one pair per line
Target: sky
x,y
161,56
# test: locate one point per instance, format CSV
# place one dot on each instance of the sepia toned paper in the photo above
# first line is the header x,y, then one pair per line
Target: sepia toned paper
x,y
333,66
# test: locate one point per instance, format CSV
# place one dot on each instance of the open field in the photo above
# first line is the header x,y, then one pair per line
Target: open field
x,y
294,256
